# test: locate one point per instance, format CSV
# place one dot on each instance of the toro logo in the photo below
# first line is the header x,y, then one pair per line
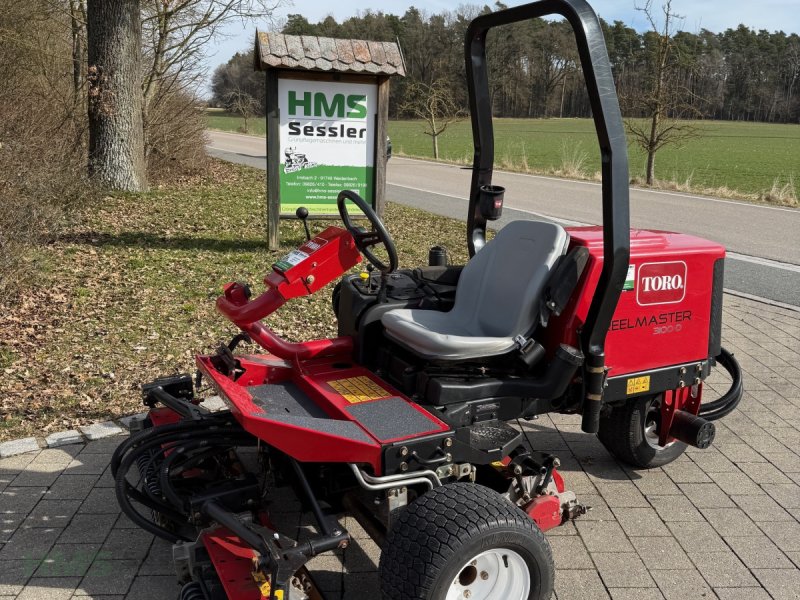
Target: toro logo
x,y
661,283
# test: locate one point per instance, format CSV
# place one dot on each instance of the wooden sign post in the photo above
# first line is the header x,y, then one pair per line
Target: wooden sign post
x,y
327,111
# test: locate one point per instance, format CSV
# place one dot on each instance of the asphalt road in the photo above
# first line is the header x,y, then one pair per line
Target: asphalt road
x,y
763,242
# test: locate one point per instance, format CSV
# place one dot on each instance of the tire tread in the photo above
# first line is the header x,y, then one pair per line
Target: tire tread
x,y
433,528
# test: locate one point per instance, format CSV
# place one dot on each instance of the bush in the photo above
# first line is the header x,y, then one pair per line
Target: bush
x,y
175,138
42,136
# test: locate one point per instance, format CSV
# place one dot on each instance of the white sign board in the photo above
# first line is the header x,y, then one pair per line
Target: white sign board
x,y
327,143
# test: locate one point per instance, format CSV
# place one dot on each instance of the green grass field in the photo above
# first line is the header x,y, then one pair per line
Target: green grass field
x,y
728,158
225,121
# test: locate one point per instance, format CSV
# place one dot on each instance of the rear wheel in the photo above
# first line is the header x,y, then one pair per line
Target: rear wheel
x,y
465,541
630,432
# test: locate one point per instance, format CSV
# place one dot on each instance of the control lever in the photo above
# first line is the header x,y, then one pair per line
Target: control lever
x,y
302,214
370,269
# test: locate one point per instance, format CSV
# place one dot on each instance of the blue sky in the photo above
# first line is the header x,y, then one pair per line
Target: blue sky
x,y
715,15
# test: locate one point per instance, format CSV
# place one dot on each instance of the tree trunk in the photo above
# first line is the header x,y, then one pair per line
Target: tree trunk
x,y
651,166
116,135
435,137
77,50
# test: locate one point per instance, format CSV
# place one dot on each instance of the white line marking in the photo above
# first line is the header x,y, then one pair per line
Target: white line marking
x,y
756,260
765,262
558,220
239,152
634,189
244,135
760,299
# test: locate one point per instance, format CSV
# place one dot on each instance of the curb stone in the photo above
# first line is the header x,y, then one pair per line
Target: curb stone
x,y
86,433
20,446
99,431
63,438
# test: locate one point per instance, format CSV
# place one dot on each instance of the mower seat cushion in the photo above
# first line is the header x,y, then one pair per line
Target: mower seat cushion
x,y
497,297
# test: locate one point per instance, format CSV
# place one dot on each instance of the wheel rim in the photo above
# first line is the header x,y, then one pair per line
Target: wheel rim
x,y
651,423
497,574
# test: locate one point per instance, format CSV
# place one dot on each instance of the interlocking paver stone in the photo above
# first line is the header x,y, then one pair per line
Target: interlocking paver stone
x,y
682,585
48,588
52,513
758,552
29,544
14,574
600,536
782,584
662,553
622,569
640,522
785,535
569,550
730,522
88,528
722,569
71,487
68,560
585,585
636,594
108,577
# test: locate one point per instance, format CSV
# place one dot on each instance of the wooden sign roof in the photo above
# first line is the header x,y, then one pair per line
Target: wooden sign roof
x,y
310,52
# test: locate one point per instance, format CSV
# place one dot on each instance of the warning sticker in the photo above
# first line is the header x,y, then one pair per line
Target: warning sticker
x,y
630,278
295,257
358,389
637,385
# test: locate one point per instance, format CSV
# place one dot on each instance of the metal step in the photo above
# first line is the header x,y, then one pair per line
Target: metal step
x,y
493,436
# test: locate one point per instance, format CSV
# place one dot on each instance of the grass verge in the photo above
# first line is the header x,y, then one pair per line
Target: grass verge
x,y
748,161
128,294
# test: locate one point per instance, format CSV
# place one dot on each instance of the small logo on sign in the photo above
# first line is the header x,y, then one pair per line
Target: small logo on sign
x,y
661,283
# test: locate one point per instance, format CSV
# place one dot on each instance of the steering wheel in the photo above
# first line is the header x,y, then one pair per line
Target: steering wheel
x,y
366,239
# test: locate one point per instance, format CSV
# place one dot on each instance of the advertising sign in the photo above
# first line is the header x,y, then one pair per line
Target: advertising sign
x,y
327,143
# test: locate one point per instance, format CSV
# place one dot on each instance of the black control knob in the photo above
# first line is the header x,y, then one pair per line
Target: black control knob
x,y
302,214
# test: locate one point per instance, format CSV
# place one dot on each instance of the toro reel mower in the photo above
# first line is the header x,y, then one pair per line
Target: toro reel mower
x,y
405,420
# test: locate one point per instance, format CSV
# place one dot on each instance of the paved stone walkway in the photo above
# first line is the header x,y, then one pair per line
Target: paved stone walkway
x,y
722,523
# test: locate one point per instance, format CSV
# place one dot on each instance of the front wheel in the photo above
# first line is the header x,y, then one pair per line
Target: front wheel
x,y
465,541
630,433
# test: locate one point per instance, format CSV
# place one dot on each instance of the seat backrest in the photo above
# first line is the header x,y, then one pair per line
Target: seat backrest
x,y
499,290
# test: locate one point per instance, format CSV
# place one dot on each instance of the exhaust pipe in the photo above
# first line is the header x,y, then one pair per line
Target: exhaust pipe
x,y
693,430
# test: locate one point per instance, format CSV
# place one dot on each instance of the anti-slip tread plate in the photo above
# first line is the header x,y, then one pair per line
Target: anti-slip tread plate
x,y
286,403
391,419
284,399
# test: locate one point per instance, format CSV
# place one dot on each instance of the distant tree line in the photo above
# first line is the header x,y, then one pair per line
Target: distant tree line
x,y
739,74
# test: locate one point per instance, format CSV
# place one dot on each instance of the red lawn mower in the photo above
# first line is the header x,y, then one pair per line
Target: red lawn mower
x,y
403,420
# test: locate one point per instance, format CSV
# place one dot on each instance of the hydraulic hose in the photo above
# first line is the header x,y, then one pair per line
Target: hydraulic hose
x,y
730,400
164,431
214,435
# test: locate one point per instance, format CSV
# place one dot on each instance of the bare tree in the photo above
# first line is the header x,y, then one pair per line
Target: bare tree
x,y
243,104
116,134
435,105
77,15
176,33
661,98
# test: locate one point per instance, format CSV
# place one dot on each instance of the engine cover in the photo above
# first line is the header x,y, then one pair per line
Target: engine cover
x,y
670,309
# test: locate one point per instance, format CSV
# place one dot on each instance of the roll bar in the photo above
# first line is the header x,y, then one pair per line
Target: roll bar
x,y
611,137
